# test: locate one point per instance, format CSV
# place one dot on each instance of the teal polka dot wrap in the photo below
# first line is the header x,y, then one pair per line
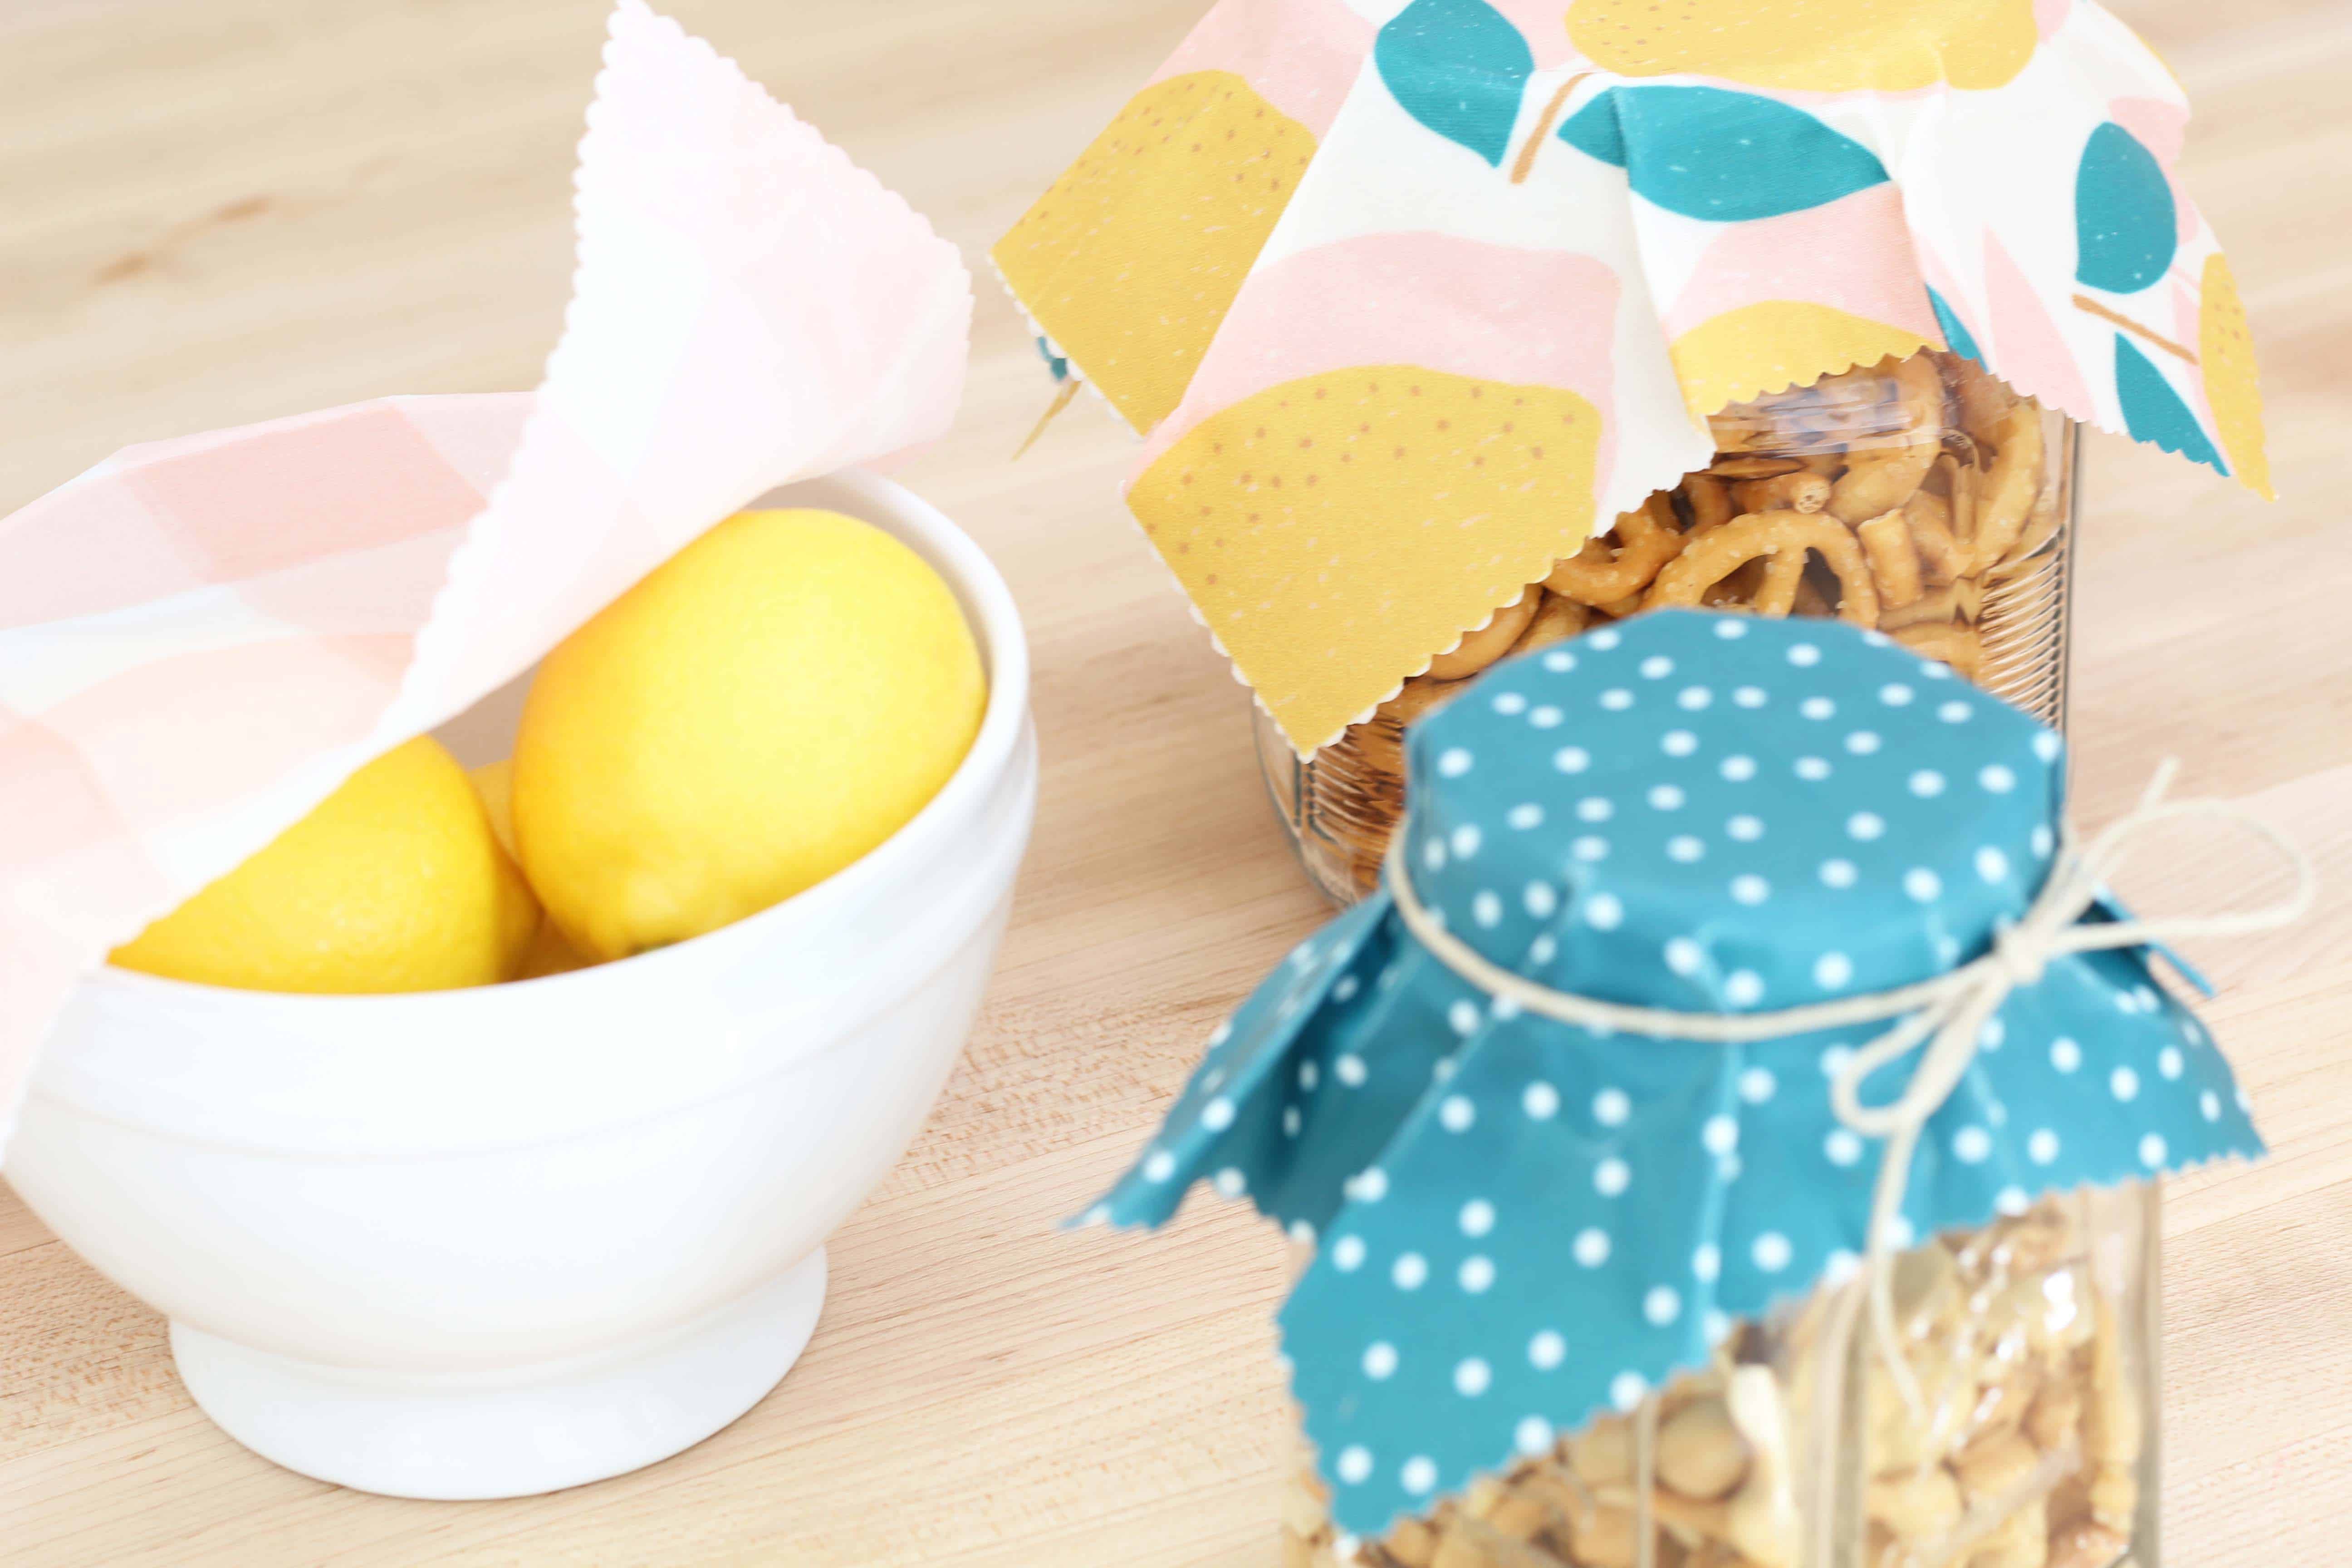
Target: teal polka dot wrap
x,y
1519,1223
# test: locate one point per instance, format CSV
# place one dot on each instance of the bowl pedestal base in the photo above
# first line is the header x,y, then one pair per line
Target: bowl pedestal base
x,y
512,1432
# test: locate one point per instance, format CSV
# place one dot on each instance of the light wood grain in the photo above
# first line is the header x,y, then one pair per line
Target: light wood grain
x,y
220,212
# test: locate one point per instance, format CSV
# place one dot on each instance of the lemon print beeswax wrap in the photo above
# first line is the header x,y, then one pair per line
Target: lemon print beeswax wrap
x,y
1314,260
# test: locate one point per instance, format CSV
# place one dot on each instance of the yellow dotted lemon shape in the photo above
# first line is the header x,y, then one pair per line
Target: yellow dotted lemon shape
x,y
1337,530
1131,259
1813,46
2232,386
1774,345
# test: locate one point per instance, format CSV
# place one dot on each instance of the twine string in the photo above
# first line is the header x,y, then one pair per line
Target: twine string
x,y
1946,1014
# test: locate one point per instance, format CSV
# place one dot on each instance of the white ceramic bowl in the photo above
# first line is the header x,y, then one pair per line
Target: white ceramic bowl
x,y
486,1243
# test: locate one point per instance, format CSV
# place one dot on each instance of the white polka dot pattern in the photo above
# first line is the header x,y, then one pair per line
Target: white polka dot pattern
x,y
1705,821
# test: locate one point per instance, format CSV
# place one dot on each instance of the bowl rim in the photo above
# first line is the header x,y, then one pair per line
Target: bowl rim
x,y
988,603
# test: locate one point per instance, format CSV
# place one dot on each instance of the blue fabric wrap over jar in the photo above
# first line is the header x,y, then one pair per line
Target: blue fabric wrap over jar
x,y
1520,1223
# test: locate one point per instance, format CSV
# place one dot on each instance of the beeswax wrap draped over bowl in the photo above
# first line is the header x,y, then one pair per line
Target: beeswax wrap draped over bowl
x,y
200,639
1519,1223
1409,300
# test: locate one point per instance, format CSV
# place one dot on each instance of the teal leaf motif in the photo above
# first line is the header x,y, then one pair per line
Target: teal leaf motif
x,y
2125,225
1460,68
1726,157
1957,336
2154,413
1593,130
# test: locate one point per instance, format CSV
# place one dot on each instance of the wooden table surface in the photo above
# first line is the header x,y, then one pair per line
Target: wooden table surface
x,y
218,212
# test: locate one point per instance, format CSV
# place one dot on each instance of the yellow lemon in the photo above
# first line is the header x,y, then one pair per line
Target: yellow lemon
x,y
764,708
395,882
494,782
549,951
1823,45
1132,258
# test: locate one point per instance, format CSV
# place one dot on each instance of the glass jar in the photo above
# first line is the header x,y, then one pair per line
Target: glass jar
x,y
2032,1445
1920,496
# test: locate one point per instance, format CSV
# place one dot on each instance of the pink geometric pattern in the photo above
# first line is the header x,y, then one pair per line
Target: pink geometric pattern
x,y
2026,343
1543,317
1854,253
1303,64
2160,125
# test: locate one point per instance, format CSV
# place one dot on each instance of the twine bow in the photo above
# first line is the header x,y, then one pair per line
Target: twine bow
x,y
1947,1013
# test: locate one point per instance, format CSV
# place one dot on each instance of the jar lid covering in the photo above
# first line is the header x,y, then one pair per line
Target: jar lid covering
x,y
1352,269
1521,1222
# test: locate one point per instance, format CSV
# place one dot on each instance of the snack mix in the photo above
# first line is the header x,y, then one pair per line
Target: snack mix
x,y
2025,1451
1921,498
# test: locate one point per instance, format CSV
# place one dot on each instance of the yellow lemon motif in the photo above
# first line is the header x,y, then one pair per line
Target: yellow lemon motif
x,y
1131,259
395,882
2231,384
763,709
1810,46
1775,344
1337,531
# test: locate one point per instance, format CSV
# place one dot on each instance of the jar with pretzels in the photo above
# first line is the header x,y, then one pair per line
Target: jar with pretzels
x,y
1451,334
1728,1136
1919,497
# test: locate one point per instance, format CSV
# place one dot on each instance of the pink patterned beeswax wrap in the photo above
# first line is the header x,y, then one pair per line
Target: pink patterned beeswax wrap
x,y
200,639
